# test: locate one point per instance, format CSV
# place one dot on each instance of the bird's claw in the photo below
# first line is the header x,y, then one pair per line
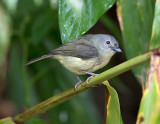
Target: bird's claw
x,y
92,75
79,82
87,81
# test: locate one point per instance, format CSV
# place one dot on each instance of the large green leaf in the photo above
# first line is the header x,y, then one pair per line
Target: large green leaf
x,y
149,110
78,16
136,18
112,106
155,38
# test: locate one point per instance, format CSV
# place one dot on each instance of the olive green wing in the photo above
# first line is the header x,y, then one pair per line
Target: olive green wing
x,y
81,50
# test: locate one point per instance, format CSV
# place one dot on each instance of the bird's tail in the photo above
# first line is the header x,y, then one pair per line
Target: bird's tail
x,y
37,59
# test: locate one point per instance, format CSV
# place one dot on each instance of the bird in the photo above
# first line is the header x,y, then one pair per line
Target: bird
x,y
84,55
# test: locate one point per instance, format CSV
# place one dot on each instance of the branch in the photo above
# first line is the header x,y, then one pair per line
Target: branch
x,y
65,95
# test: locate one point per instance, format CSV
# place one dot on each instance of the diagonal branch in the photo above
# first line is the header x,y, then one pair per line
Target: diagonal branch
x,y
65,95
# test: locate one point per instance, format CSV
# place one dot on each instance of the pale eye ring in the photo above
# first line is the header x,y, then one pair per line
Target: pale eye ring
x,y
107,42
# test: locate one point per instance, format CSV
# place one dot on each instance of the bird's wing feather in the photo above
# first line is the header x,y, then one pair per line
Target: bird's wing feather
x,y
81,50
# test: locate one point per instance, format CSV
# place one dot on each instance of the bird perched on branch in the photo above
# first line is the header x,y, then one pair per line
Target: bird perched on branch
x,y
84,55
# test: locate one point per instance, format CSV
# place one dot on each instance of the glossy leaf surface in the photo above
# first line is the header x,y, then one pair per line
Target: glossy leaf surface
x,y
77,16
136,18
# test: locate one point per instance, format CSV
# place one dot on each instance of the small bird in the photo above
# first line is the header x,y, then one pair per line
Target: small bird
x,y
85,54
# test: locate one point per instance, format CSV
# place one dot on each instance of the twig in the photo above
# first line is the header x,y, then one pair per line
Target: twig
x,y
61,97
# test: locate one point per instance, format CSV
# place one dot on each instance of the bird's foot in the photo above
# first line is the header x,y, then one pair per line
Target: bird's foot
x,y
79,82
75,87
92,75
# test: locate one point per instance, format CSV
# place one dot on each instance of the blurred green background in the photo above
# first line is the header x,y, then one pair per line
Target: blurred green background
x,y
29,29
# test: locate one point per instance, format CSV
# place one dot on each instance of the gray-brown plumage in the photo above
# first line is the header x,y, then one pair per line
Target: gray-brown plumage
x,y
79,47
80,50
85,54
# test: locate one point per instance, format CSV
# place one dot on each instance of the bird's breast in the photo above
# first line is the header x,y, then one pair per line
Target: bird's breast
x,y
75,64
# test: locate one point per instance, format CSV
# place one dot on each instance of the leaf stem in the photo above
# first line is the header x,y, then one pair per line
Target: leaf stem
x,y
65,95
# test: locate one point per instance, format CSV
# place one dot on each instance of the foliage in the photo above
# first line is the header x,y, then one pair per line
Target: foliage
x,y
136,36
30,28
78,16
113,113
151,95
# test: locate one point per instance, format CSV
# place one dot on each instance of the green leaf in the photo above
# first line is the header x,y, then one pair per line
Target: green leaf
x,y
155,38
35,121
7,120
112,106
136,18
5,32
78,16
155,118
15,78
147,103
148,107
42,25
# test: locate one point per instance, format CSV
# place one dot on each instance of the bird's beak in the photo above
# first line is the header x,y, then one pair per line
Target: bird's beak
x,y
117,49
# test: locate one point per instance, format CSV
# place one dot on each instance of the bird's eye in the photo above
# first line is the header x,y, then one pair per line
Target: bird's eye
x,y
108,42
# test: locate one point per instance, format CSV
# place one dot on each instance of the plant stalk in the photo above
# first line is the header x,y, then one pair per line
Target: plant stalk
x,y
99,79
